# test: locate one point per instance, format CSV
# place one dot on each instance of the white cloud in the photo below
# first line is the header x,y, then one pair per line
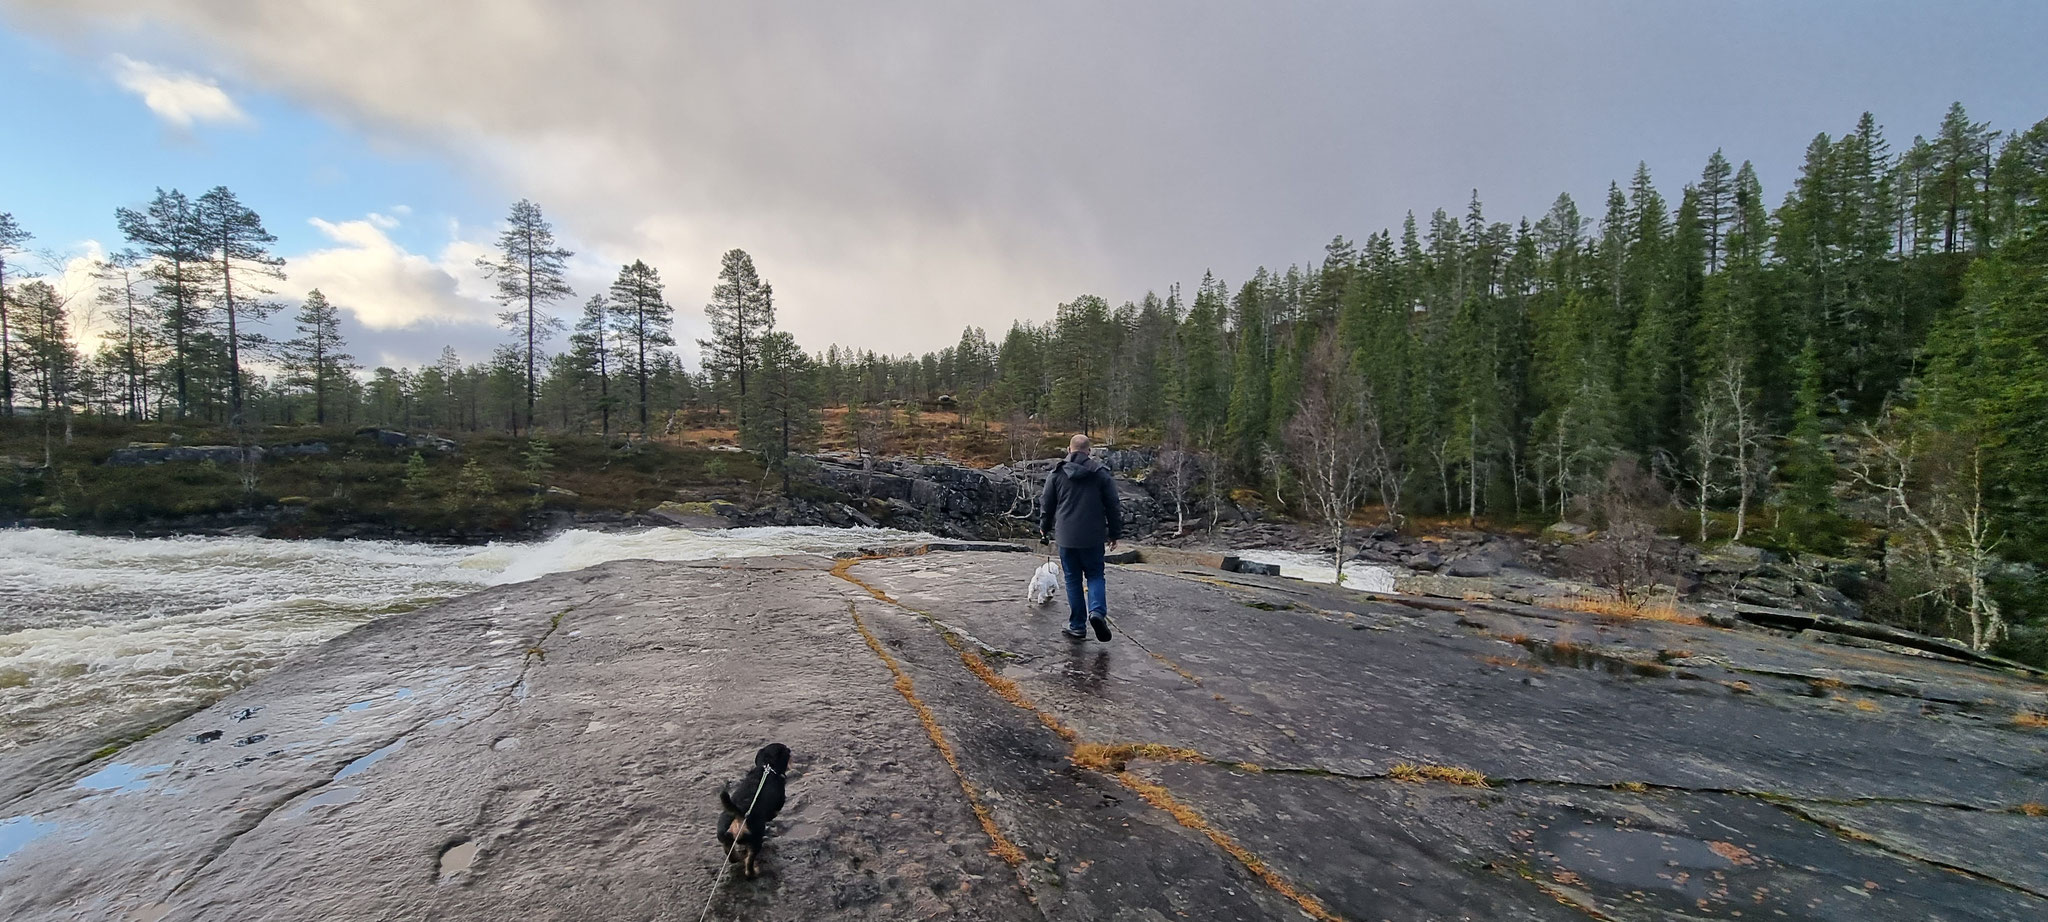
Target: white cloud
x,y
179,98
385,285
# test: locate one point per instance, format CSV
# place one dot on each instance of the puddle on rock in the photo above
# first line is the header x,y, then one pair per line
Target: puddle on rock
x,y
363,764
1578,657
1639,859
332,798
457,858
120,778
18,831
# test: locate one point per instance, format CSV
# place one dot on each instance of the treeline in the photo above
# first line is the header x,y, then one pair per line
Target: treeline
x,y
1862,366
176,308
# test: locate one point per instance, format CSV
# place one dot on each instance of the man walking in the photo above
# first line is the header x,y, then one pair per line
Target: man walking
x,y
1081,511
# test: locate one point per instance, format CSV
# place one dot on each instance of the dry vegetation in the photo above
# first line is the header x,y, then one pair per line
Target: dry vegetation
x,y
1449,774
1655,608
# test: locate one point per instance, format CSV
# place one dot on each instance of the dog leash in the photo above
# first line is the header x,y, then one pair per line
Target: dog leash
x,y
727,865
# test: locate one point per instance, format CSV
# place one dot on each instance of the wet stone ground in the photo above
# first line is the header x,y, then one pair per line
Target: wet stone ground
x,y
1247,748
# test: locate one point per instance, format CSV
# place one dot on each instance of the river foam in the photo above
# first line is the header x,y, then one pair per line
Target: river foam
x,y
97,630
1319,568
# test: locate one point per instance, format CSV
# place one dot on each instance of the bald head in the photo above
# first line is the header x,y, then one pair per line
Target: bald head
x,y
1079,444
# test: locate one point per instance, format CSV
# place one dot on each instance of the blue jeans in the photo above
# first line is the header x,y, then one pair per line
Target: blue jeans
x,y
1076,563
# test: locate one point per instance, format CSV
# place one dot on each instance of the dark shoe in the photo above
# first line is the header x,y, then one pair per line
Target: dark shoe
x,y
1071,634
1101,625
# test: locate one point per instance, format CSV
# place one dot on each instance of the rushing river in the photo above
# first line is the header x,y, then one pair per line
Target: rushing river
x,y
97,630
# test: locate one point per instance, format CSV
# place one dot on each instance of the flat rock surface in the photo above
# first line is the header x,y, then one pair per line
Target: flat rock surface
x,y
1246,748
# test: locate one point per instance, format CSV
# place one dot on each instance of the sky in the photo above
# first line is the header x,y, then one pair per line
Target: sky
x,y
900,171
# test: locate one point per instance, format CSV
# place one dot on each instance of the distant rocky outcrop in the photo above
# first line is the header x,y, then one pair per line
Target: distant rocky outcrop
x,y
391,438
138,454
953,499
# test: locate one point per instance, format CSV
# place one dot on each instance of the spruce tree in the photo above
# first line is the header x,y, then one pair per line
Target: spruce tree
x,y
1809,468
1205,385
784,417
530,271
1250,381
1716,207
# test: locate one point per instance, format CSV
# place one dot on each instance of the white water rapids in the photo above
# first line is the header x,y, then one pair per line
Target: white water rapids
x,y
97,630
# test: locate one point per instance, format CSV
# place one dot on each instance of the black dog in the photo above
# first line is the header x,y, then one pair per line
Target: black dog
x,y
743,830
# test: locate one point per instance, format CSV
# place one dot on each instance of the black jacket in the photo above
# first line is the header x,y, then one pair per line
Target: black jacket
x,y
1080,507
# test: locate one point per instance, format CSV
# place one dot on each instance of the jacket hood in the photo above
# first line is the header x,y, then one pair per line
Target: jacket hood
x,y
1079,464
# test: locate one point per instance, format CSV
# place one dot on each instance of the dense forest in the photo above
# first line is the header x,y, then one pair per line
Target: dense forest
x,y
1857,370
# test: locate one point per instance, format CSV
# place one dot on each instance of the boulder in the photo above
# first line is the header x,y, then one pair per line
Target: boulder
x,y
1568,531
1425,562
1482,563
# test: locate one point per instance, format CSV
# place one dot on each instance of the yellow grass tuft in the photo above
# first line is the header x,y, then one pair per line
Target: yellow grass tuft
x,y
1450,774
2033,808
2031,720
1867,705
1113,757
1658,609
1633,787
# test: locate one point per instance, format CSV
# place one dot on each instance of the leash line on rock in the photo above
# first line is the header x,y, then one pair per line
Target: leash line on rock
x,y
727,865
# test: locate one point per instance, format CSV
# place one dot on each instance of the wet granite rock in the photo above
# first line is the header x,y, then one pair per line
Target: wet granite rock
x,y
548,750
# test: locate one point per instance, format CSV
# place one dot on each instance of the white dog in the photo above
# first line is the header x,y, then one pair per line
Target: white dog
x,y
1045,583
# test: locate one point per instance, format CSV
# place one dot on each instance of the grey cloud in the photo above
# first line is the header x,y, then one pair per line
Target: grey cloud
x,y
900,170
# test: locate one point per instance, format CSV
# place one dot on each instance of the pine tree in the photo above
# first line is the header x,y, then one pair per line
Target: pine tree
x,y
49,356
169,235
742,315
11,239
642,318
235,238
314,358
591,356
132,343
530,271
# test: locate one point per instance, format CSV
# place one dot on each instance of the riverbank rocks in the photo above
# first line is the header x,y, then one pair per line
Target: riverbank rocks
x,y
1755,576
953,499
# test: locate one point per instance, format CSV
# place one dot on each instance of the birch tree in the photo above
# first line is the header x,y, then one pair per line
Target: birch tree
x,y
1328,443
